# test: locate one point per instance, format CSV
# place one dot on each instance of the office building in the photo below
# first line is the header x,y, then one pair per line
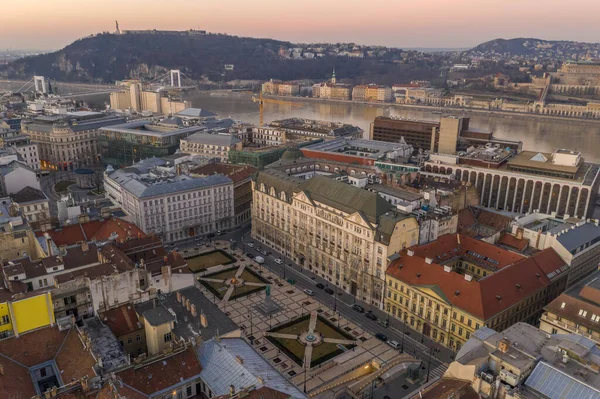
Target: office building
x,y
70,140
33,204
134,97
210,145
526,181
525,362
172,205
575,311
341,232
11,142
575,240
451,287
358,151
127,143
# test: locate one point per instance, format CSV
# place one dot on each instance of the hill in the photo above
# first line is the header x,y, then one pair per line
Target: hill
x,y
530,47
110,57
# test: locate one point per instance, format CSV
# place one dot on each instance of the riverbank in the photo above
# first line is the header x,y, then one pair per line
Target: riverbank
x,y
444,110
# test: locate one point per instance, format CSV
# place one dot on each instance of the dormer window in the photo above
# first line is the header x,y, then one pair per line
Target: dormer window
x,y
582,313
562,306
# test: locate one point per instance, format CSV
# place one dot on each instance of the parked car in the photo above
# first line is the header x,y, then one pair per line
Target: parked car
x,y
384,322
251,245
370,316
309,292
250,256
320,286
329,291
381,337
278,261
263,252
393,344
358,308
291,281
219,232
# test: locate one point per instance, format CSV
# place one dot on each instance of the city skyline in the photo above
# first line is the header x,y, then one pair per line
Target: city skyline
x,y
431,24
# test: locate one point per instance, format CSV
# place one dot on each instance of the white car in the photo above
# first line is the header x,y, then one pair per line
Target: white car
x,y
309,292
278,261
251,245
393,344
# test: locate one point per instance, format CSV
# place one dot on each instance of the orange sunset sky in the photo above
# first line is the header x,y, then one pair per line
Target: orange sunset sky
x,y
52,24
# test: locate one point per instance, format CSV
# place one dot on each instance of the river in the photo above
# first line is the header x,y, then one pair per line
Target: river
x,y
537,133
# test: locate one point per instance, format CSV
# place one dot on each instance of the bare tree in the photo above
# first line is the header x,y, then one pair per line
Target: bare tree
x,y
98,181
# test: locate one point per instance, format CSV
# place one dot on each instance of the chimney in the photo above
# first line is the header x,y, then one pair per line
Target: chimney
x,y
458,238
54,391
198,339
231,390
410,252
468,277
178,296
1,369
166,259
447,268
49,244
85,385
193,310
503,345
203,320
429,261
84,246
520,233
187,305
183,300
47,394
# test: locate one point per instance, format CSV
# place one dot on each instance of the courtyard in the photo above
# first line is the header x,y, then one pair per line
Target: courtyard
x,y
210,259
234,282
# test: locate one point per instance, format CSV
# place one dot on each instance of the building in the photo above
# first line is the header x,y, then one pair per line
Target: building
x,y
124,323
68,140
210,145
278,88
340,232
281,132
525,181
125,144
23,310
576,311
332,91
525,362
34,205
375,93
134,97
174,206
22,145
242,176
484,224
196,115
451,287
16,235
358,151
15,176
576,241
41,362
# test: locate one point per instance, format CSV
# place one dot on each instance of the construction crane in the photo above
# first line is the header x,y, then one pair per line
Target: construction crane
x,y
261,104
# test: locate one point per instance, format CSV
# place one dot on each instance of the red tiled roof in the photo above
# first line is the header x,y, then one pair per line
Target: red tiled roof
x,y
484,298
93,230
16,380
237,173
450,246
466,217
34,347
260,393
520,244
104,269
162,374
73,360
550,262
122,320
493,219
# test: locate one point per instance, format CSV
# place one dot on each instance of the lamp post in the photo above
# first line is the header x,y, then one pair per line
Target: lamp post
x,y
402,339
428,363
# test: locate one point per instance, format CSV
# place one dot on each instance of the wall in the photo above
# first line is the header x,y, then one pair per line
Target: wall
x,y
32,313
4,313
19,179
155,337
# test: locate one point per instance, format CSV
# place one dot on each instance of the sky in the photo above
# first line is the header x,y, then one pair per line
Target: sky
x,y
52,24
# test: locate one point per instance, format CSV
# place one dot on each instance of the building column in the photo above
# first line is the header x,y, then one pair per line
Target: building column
x,y
559,197
568,200
514,201
491,190
587,203
483,189
532,195
577,203
539,207
507,190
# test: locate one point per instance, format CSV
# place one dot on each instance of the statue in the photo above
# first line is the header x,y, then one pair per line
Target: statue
x,y
268,290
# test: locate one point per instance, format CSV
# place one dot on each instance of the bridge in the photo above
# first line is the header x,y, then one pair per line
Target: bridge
x,y
174,79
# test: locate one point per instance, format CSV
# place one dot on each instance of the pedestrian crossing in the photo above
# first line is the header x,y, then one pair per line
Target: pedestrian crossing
x,y
438,372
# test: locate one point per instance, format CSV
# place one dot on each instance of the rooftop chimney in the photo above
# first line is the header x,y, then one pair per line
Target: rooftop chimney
x,y
410,252
84,246
429,261
503,345
468,277
178,296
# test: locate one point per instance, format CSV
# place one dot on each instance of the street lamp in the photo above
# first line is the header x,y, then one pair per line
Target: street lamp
x,y
402,339
428,363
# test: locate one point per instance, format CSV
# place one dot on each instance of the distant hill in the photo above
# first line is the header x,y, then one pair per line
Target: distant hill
x,y
109,57
530,47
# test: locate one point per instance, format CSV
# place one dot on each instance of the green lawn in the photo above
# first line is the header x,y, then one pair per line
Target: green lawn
x,y
219,289
321,353
61,186
207,260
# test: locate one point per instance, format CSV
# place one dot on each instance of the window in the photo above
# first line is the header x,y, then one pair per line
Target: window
x,y
168,337
43,372
595,318
5,319
138,338
129,341
460,331
582,313
562,305
554,331
188,390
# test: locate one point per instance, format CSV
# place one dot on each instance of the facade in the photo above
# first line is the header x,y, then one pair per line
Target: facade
x,y
375,93
451,287
22,311
332,91
33,204
576,241
68,140
416,133
278,88
125,144
525,181
16,176
16,237
22,145
134,97
174,206
340,232
125,325
210,145
576,311
242,176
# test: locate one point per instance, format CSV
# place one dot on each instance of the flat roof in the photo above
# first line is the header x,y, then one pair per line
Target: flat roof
x,y
142,128
533,160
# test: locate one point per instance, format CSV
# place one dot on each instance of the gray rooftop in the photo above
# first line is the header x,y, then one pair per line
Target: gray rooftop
x,y
220,368
226,140
187,326
395,192
575,237
554,383
157,316
195,113
105,345
149,128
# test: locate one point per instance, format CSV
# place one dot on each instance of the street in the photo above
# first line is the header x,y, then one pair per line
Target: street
x,y
409,339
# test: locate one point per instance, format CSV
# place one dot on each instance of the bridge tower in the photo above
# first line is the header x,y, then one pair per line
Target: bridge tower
x,y
175,72
40,84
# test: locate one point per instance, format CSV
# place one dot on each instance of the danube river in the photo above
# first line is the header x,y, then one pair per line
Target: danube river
x,y
537,133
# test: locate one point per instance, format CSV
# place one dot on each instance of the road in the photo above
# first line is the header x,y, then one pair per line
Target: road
x,y
410,340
